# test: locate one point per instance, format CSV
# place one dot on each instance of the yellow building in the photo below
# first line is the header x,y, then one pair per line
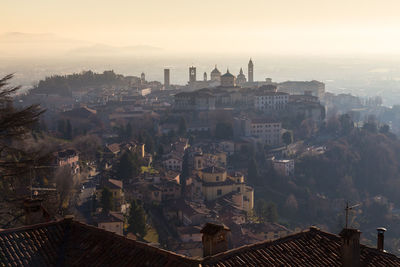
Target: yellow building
x,y
115,187
217,183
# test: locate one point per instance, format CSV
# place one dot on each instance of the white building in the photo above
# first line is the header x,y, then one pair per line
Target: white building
x,y
112,222
269,131
270,100
172,162
284,167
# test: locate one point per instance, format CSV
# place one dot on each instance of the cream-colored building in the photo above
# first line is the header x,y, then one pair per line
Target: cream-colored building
x,y
217,183
112,222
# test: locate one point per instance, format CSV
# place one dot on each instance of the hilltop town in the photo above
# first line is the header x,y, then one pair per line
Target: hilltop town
x,y
155,162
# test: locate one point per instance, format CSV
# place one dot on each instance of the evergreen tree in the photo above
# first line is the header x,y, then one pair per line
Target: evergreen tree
x,y
287,137
68,131
137,220
106,200
252,170
185,171
182,126
128,131
149,144
128,166
61,127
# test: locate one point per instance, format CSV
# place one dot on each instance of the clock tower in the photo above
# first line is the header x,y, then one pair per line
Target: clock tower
x,y
192,74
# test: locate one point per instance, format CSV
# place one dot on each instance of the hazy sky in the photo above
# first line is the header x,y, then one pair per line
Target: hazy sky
x,y
259,26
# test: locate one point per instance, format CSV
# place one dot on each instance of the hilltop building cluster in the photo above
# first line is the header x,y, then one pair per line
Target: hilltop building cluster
x,y
187,162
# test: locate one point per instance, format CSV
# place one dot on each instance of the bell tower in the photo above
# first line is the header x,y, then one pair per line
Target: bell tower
x,y
250,70
192,74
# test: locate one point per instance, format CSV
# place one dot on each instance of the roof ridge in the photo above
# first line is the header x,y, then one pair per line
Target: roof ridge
x,y
266,243
32,226
138,243
377,251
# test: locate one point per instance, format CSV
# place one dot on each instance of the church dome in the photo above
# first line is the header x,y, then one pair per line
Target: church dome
x,y
215,70
227,74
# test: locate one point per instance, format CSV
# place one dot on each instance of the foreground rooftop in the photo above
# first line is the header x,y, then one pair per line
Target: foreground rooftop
x,y
70,243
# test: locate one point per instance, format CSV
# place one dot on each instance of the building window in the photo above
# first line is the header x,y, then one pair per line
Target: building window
x,y
238,189
219,192
217,178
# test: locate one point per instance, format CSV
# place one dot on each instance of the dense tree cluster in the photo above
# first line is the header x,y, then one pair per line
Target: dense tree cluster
x,y
361,160
65,84
266,211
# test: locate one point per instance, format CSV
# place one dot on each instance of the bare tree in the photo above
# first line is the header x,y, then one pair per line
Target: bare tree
x,y
88,146
64,184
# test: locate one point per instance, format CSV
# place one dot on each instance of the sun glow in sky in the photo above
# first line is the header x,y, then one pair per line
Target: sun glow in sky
x,y
260,26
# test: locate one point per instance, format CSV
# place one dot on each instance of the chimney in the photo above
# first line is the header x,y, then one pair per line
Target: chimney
x,y
34,212
381,238
215,239
350,249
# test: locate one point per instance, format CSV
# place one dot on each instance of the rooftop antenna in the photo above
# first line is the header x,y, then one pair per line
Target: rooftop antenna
x,y
347,209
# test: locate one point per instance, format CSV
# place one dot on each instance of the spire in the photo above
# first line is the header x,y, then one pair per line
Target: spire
x,y
241,71
227,70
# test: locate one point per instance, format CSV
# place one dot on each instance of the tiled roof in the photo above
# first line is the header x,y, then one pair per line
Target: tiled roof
x,y
309,248
82,112
114,148
113,184
109,217
70,243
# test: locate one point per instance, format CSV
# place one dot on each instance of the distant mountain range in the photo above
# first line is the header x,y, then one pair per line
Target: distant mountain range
x,y
28,44
102,49
20,37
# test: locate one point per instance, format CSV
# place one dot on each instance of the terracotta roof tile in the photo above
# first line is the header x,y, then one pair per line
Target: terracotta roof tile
x,y
308,248
70,243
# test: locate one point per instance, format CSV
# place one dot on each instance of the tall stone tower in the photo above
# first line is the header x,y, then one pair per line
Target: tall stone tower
x,y
192,74
142,78
166,78
250,69
205,76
